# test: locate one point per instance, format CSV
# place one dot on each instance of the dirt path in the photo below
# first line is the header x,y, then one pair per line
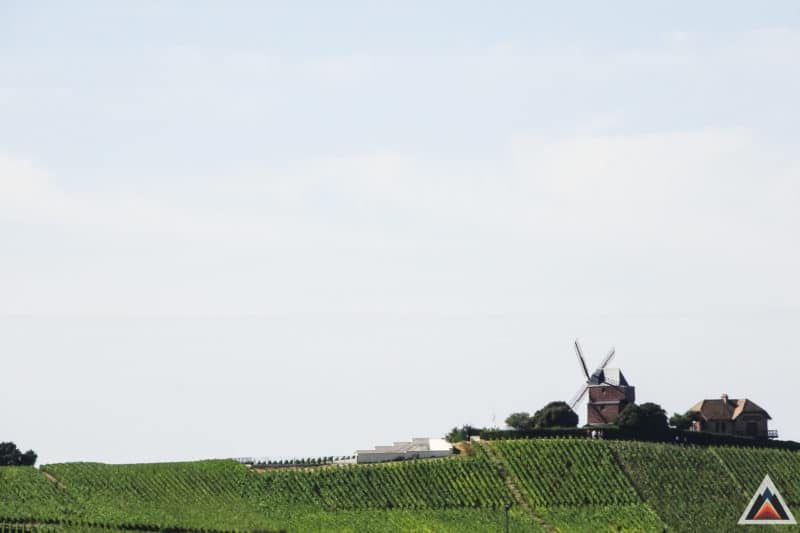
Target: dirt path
x,y
512,487
52,479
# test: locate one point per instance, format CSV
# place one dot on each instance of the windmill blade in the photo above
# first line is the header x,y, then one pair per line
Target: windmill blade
x,y
581,359
607,359
578,396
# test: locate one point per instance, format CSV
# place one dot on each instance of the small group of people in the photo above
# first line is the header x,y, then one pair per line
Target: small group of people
x,y
597,433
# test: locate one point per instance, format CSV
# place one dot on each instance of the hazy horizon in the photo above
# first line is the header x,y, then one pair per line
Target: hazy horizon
x,y
258,229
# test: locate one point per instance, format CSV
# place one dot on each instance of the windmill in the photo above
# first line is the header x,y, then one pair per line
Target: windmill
x,y
609,391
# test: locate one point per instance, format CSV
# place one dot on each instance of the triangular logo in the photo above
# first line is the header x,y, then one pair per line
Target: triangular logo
x,y
767,507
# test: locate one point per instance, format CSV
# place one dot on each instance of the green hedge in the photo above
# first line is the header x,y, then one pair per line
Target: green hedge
x,y
613,432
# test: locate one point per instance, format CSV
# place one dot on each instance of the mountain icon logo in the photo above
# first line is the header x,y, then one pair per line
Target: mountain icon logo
x,y
767,507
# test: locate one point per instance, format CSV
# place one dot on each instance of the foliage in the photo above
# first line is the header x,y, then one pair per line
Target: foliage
x,y
574,484
23,527
648,418
294,462
226,494
688,486
501,434
566,472
598,518
682,421
455,482
616,433
25,492
519,421
390,521
311,520
749,466
555,414
10,455
461,434
203,494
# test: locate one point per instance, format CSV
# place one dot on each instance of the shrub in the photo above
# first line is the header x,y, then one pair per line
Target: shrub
x,y
520,421
648,418
555,414
10,455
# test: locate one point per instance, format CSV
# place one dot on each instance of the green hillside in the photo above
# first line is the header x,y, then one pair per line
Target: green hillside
x,y
576,485
556,484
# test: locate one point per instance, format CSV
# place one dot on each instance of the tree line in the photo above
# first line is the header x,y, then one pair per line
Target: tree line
x,y
10,455
648,418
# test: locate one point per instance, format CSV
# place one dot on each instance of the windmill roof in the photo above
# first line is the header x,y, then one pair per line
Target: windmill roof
x,y
726,408
612,376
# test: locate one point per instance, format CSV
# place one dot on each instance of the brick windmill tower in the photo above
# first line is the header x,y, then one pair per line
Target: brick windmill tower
x,y
609,391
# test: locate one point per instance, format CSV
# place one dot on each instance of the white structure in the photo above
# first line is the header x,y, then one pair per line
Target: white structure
x,y
418,448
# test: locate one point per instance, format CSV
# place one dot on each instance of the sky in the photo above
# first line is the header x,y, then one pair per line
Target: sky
x,y
285,229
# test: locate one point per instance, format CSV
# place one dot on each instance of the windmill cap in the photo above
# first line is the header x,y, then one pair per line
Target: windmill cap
x,y
612,376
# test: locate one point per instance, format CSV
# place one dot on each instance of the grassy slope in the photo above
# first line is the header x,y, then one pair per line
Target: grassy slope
x,y
575,485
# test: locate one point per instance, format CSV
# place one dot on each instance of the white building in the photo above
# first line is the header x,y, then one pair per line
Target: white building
x,y
418,448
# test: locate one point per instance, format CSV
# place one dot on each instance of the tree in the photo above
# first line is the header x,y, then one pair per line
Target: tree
x,y
647,418
11,456
460,434
683,421
555,414
519,421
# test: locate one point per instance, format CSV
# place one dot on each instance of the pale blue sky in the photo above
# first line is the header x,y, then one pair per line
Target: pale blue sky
x,y
225,221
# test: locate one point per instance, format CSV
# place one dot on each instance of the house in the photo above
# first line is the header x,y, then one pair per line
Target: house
x,y
609,393
733,417
418,448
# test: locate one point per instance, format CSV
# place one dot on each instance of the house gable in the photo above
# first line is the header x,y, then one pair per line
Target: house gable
x,y
732,416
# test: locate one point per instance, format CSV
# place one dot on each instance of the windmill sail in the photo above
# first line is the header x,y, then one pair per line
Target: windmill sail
x,y
576,399
581,359
607,359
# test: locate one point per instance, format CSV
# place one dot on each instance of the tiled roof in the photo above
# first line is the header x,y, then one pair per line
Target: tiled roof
x,y
726,409
747,406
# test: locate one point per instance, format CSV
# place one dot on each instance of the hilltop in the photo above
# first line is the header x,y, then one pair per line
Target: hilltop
x,y
554,484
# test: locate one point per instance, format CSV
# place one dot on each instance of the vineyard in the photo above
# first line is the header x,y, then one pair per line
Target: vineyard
x,y
566,472
576,485
560,484
749,466
627,517
425,484
204,494
26,493
698,488
683,482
